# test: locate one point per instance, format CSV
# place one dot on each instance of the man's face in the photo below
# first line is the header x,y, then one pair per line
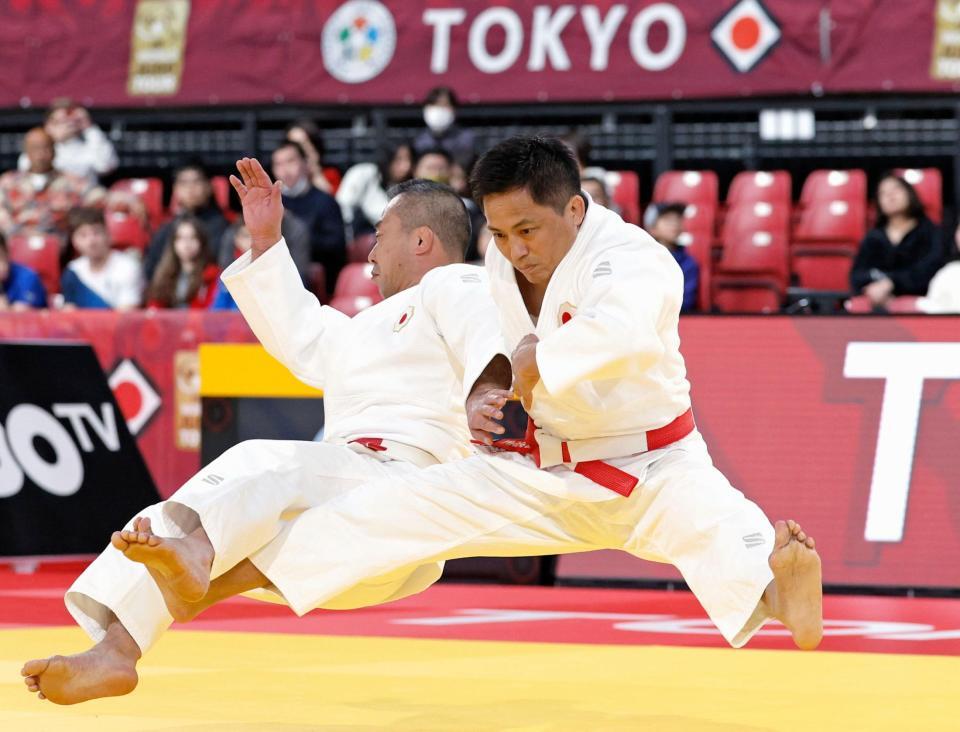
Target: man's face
x,y
535,238
392,256
38,146
433,167
289,167
92,241
668,228
191,190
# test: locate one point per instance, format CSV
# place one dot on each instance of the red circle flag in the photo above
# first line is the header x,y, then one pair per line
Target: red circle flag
x,y
745,33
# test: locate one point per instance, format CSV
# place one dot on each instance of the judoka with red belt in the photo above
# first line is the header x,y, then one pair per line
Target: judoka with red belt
x,y
589,307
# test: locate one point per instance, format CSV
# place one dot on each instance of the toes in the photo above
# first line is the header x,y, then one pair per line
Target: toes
x,y
811,544
153,540
782,534
41,696
35,667
116,538
136,523
792,525
801,536
145,524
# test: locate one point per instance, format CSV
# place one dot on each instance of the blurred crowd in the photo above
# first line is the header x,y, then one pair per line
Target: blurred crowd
x,y
121,248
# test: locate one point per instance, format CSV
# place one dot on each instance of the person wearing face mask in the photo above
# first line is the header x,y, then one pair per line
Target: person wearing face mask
x,y
440,115
317,210
37,200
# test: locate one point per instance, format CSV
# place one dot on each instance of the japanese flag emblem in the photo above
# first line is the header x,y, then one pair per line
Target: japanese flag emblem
x,y
404,319
745,34
567,311
137,398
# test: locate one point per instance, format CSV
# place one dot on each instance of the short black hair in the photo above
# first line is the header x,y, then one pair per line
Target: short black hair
x,y
194,165
544,166
295,145
421,154
84,216
439,208
3,244
438,92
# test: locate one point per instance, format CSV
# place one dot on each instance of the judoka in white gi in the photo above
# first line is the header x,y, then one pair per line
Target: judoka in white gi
x,y
589,307
395,378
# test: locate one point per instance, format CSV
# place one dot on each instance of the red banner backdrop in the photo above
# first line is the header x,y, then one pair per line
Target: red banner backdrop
x,y
849,425
791,409
150,361
366,51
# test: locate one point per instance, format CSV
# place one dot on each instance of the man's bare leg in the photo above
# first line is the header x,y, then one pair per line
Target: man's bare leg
x,y
241,578
795,597
180,567
107,669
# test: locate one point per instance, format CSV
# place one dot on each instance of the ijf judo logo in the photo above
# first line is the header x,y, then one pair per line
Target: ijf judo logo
x,y
358,41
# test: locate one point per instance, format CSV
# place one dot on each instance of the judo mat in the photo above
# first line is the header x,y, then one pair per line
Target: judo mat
x,y
491,658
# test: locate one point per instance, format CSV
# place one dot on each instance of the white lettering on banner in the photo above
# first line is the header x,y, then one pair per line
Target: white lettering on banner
x,y
546,43
545,38
904,366
512,45
442,20
601,32
106,428
62,477
676,625
640,37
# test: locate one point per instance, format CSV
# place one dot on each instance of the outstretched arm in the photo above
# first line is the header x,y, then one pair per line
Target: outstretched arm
x,y
262,205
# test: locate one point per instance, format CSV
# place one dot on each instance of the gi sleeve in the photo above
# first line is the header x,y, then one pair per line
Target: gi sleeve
x,y
458,300
289,320
614,332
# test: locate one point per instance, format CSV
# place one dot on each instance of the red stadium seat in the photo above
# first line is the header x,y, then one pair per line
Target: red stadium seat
x,y
775,187
359,249
744,219
41,253
698,187
928,183
834,185
753,273
126,230
354,281
150,192
624,186
824,243
220,185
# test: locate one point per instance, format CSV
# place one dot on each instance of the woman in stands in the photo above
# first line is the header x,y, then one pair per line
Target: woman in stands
x,y
900,255
306,133
363,192
186,277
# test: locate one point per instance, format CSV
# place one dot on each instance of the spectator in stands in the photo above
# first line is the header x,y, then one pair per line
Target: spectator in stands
x,y
943,295
234,242
434,164
186,276
664,221
38,199
306,133
81,147
192,196
317,210
20,287
440,116
362,194
100,277
597,190
580,147
900,255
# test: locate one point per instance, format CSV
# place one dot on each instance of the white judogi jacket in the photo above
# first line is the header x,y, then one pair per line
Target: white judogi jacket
x,y
399,370
609,350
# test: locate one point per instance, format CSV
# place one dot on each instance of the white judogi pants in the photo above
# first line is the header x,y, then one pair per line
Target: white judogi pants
x,y
242,500
683,512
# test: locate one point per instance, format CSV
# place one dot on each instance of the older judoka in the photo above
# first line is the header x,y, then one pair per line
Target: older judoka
x,y
589,306
395,378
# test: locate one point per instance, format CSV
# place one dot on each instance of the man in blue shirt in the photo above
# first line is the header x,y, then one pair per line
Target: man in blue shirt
x,y
20,287
664,222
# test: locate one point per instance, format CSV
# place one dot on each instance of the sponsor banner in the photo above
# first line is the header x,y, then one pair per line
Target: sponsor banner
x,y
387,51
151,363
70,473
848,425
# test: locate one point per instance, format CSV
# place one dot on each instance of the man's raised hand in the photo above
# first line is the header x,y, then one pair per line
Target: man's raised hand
x,y
262,204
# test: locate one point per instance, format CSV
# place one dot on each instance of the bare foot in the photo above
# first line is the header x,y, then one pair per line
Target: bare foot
x,y
180,567
104,670
796,594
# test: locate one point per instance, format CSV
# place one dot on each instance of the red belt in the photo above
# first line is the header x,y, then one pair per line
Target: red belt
x,y
371,443
599,472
